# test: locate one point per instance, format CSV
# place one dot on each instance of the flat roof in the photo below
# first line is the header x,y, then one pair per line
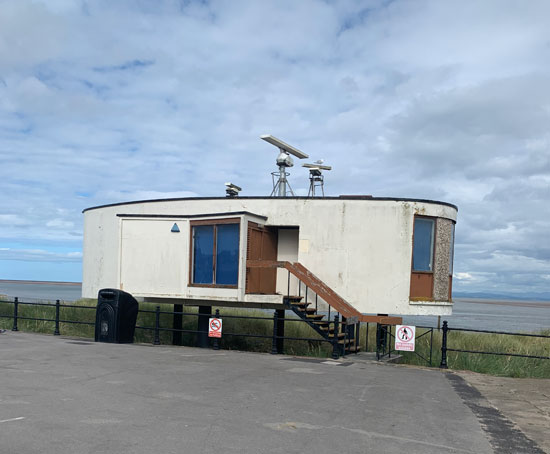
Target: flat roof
x,y
193,216
342,197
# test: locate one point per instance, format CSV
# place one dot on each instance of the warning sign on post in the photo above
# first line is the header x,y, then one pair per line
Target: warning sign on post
x,y
215,327
404,338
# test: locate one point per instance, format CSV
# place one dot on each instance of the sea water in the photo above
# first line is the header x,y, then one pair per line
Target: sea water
x,y
512,316
49,291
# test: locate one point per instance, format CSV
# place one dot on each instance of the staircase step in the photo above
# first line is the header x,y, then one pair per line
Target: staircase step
x,y
316,317
340,335
311,310
347,342
340,330
294,299
353,350
299,304
323,324
321,327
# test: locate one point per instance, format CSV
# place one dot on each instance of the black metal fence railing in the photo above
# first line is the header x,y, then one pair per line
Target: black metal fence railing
x,y
385,339
384,343
445,348
56,319
385,336
275,336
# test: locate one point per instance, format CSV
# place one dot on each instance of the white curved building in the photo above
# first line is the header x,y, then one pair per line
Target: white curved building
x,y
375,255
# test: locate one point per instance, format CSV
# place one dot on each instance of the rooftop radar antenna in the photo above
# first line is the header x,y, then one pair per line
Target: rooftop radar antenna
x,y
232,190
281,187
316,177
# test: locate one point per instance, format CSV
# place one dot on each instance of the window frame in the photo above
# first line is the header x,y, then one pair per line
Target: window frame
x,y
432,246
452,260
452,250
214,223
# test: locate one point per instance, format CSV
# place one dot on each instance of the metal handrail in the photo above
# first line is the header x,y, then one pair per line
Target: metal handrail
x,y
312,282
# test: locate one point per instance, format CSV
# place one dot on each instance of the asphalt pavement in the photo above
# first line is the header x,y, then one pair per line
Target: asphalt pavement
x,y
60,395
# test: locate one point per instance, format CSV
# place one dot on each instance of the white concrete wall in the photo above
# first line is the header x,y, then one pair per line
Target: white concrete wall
x,y
287,251
152,257
361,248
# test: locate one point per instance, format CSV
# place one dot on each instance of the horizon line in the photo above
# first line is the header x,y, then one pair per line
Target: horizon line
x,y
25,281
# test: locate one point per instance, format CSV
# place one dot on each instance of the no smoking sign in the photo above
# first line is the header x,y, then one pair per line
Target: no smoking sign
x,y
215,327
404,338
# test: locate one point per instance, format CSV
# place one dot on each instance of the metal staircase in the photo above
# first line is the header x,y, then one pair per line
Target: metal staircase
x,y
347,334
343,330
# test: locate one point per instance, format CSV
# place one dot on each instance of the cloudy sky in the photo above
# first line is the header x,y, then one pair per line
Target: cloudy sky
x,y
104,101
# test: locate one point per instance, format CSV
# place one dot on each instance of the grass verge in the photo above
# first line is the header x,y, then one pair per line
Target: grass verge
x,y
506,366
487,364
233,328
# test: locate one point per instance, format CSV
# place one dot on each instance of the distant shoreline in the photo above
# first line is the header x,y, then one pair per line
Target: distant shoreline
x,y
12,281
467,300
503,302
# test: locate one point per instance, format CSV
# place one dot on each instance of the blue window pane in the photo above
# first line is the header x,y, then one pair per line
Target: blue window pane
x,y
203,250
227,254
423,244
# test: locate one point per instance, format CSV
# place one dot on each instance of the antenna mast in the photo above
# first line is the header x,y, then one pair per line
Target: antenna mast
x,y
316,177
281,186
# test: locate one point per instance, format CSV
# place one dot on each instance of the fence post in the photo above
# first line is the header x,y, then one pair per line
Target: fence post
x,y
367,339
274,340
431,345
443,364
157,326
15,310
379,340
357,336
216,344
56,331
345,327
335,349
388,341
177,324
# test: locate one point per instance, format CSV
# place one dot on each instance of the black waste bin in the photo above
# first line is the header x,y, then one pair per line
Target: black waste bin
x,y
116,315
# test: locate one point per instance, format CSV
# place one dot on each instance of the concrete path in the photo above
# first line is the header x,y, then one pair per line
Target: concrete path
x,y
525,402
60,395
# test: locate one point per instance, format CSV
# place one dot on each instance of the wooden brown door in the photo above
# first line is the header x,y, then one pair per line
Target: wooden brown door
x,y
261,245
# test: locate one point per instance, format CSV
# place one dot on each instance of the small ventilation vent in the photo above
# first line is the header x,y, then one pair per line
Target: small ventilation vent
x,y
175,228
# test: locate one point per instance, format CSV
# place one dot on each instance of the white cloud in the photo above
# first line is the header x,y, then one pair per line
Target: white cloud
x,y
125,196
463,276
12,220
102,102
60,224
39,255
